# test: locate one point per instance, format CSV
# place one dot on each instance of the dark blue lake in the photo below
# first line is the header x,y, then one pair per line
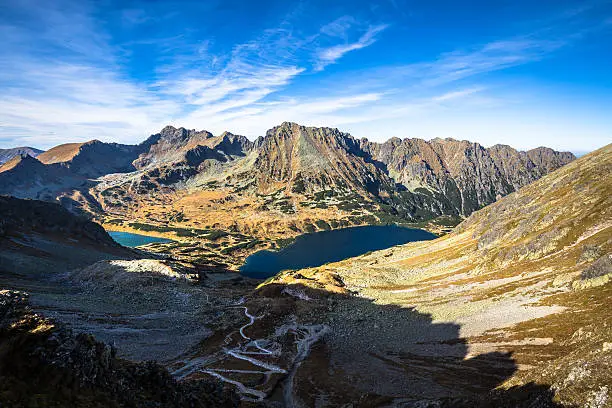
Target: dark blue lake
x,y
133,240
329,246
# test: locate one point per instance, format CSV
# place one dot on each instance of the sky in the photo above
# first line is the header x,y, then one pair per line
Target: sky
x,y
522,73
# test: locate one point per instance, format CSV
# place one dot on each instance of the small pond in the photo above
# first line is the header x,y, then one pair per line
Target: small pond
x,y
318,248
131,240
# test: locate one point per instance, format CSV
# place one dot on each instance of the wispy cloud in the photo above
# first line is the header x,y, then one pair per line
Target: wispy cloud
x,y
78,102
339,28
71,84
315,111
457,94
490,57
331,55
61,80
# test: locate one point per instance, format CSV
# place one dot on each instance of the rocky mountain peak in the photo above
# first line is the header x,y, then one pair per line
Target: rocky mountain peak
x,y
170,145
411,178
548,158
181,135
313,158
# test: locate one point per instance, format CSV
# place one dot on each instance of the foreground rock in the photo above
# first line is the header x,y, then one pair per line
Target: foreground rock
x,y
44,364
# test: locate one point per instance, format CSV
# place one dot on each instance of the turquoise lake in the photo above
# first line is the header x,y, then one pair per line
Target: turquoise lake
x,y
131,240
318,248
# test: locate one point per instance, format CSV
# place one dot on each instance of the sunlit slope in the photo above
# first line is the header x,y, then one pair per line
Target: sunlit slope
x,y
62,153
528,275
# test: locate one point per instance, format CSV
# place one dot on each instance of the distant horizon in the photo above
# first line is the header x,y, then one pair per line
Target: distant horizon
x,y
577,153
519,73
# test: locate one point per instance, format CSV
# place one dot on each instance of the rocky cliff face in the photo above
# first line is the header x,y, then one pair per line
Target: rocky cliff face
x,y
306,159
463,175
174,146
413,178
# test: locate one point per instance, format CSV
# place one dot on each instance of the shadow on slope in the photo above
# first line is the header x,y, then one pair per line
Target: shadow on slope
x,y
38,238
384,355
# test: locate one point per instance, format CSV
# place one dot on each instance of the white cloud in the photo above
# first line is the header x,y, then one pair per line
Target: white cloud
x,y
457,94
81,92
330,55
490,57
79,102
339,27
252,120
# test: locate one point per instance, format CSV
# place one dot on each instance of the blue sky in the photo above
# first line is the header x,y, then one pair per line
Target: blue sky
x,y
523,73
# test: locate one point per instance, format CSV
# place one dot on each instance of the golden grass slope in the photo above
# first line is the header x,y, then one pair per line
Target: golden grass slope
x,y
59,154
11,164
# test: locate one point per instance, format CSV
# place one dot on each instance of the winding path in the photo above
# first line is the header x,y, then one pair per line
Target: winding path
x,y
305,336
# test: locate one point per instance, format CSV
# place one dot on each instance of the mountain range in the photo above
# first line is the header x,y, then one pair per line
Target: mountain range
x,y
295,179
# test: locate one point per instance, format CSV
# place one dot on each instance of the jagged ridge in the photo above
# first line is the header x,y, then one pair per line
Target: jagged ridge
x,y
409,180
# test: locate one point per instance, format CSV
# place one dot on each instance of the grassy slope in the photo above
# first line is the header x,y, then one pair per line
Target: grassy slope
x,y
61,153
514,277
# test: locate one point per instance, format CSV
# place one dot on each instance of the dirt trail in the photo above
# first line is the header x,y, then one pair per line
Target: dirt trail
x,y
267,356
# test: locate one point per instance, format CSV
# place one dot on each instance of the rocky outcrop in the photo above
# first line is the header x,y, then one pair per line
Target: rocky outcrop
x,y
173,146
310,159
8,154
169,145
72,370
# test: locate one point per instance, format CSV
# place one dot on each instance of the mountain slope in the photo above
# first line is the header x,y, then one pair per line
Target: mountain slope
x,y
26,177
518,293
92,159
37,237
8,154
